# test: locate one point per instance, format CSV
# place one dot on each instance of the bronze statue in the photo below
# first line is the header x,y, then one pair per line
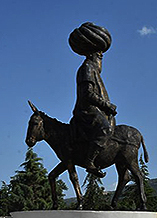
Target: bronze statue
x,y
93,112
121,150
91,140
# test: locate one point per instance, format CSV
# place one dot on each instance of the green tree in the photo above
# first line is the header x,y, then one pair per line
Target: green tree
x,y
95,198
149,191
4,201
29,189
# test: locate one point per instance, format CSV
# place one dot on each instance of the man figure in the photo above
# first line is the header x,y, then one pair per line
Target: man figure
x,y
93,112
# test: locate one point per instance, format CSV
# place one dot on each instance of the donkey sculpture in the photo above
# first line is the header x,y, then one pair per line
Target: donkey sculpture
x,y
121,150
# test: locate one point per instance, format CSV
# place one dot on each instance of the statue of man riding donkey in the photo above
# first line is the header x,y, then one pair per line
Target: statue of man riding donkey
x,y
92,140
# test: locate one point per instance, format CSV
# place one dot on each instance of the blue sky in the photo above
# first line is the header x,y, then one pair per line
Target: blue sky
x,y
37,63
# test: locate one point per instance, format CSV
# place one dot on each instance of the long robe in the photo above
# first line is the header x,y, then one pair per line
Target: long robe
x,y
90,113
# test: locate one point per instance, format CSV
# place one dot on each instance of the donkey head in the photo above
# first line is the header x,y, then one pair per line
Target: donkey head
x,y
35,131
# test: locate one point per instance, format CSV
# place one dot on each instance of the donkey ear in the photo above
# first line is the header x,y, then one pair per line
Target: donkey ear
x,y
34,109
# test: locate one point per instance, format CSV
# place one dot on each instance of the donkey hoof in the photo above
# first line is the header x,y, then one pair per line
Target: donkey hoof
x,y
79,207
113,205
55,207
143,208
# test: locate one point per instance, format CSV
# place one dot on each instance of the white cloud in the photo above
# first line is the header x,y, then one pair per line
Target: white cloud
x,y
147,31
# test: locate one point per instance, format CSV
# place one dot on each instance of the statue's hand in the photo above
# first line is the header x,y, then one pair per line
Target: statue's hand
x,y
114,112
111,108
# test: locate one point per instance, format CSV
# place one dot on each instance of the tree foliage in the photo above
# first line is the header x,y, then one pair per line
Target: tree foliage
x,y
95,198
29,188
4,201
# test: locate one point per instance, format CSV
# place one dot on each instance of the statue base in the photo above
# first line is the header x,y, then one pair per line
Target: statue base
x,y
82,214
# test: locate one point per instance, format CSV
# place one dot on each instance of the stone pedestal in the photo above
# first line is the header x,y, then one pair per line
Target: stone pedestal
x,y
83,214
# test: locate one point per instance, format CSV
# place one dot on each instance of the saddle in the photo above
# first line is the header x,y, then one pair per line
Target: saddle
x,y
121,133
125,135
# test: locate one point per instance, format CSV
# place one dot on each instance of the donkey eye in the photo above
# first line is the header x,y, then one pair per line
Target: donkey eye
x,y
35,124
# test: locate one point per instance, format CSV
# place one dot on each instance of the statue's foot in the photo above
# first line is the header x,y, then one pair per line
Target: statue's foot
x,y
96,172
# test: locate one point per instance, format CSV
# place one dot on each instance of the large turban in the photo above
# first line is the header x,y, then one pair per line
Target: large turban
x,y
89,38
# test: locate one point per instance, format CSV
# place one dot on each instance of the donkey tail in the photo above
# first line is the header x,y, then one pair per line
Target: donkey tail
x,y
146,157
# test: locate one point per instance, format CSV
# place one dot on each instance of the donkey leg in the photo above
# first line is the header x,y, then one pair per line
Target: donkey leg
x,y
74,179
123,179
59,169
134,168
